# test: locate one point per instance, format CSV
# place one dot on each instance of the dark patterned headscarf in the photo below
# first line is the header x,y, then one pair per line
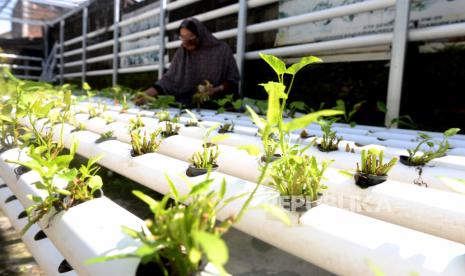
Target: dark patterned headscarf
x,y
212,60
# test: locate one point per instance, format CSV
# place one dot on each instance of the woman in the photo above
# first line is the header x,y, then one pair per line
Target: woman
x,y
201,58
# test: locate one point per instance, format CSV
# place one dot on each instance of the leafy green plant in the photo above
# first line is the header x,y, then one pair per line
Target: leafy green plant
x,y
228,99
191,123
142,145
329,141
136,123
79,127
226,127
403,121
93,112
436,148
277,96
206,159
179,237
163,116
82,183
297,174
163,102
347,116
105,136
372,163
170,129
108,119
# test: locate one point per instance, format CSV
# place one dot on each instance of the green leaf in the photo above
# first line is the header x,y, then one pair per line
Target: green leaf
x,y
86,86
277,213
294,68
194,118
36,199
152,203
213,246
173,189
69,175
218,138
303,121
130,232
200,188
259,122
275,92
63,192
251,149
278,65
381,106
95,182
451,132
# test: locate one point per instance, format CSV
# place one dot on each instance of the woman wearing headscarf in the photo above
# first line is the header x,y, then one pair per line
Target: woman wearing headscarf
x,y
200,58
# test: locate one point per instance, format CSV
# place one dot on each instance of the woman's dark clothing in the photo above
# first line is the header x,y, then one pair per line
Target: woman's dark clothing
x,y
212,60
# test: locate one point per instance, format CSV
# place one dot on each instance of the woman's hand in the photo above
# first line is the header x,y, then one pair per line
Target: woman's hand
x,y
213,90
142,99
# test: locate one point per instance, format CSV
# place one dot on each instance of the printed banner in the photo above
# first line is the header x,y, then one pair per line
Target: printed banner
x,y
423,13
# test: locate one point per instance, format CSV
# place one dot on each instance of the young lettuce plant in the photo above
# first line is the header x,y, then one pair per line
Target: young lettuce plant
x,y
436,148
277,96
291,156
205,160
81,184
298,178
372,170
347,116
180,237
329,141
142,145
135,124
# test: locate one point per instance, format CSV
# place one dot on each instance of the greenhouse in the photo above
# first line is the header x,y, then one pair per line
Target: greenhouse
x,y
232,137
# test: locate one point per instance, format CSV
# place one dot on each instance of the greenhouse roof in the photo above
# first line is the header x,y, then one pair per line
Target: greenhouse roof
x,y
38,12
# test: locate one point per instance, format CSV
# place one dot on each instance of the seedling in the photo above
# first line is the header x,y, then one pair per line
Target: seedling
x,y
436,148
142,145
329,141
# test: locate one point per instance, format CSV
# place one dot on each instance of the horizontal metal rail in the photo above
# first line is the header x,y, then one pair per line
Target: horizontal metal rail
x,y
140,17
24,77
21,67
13,56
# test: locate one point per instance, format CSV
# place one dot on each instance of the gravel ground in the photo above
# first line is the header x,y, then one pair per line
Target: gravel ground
x,y
14,257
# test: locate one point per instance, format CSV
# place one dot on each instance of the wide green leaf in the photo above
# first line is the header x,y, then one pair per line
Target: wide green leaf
x,y
259,122
251,149
276,212
213,246
95,182
275,92
451,132
220,137
303,121
278,65
294,68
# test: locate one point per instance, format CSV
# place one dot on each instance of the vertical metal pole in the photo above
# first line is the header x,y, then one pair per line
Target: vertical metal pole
x,y
45,38
116,19
62,49
241,36
85,14
396,71
161,50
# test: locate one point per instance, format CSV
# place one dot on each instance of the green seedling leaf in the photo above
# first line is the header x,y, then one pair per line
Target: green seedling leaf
x,y
250,149
213,246
277,213
218,138
303,121
275,92
294,68
381,106
451,132
278,65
